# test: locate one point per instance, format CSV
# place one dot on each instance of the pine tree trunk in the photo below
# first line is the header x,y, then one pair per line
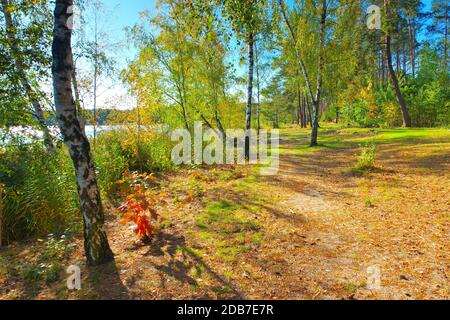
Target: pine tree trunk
x,y
395,84
308,107
32,96
412,45
248,109
299,109
446,38
405,71
305,116
397,51
96,245
337,114
380,79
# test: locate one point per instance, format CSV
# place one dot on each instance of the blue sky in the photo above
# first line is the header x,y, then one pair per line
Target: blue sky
x,y
125,13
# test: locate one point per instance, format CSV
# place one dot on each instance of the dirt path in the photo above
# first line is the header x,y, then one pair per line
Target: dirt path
x,y
310,232
395,220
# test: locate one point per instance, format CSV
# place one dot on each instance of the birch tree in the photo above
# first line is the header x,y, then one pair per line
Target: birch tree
x,y
20,69
246,21
314,95
96,245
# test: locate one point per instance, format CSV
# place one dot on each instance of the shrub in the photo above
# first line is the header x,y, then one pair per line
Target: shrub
x,y
366,160
140,204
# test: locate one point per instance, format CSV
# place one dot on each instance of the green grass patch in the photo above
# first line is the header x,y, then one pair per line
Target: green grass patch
x,y
338,138
227,229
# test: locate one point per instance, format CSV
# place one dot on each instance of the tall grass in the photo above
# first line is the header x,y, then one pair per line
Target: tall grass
x,y
40,194
128,149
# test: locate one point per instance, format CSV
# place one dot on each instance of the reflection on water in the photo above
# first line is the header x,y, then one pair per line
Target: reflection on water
x,y
21,134
27,134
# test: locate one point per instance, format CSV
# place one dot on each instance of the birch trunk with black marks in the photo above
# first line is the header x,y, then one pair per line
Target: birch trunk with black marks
x,y
248,108
20,69
96,245
258,91
395,83
315,98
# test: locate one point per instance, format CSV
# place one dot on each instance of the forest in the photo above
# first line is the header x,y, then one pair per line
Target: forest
x,y
102,180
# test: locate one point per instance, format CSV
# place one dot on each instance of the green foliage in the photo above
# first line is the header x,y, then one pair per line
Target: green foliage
x,y
110,160
126,150
366,160
49,265
40,194
32,26
428,94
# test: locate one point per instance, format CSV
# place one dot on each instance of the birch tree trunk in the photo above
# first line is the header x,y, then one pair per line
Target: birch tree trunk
x,y
258,91
395,84
95,241
20,68
316,100
248,109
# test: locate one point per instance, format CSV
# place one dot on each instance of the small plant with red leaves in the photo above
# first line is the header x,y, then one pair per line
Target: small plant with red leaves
x,y
140,205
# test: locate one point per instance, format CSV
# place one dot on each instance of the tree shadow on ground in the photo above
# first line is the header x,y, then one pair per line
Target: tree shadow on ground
x,y
105,282
180,266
